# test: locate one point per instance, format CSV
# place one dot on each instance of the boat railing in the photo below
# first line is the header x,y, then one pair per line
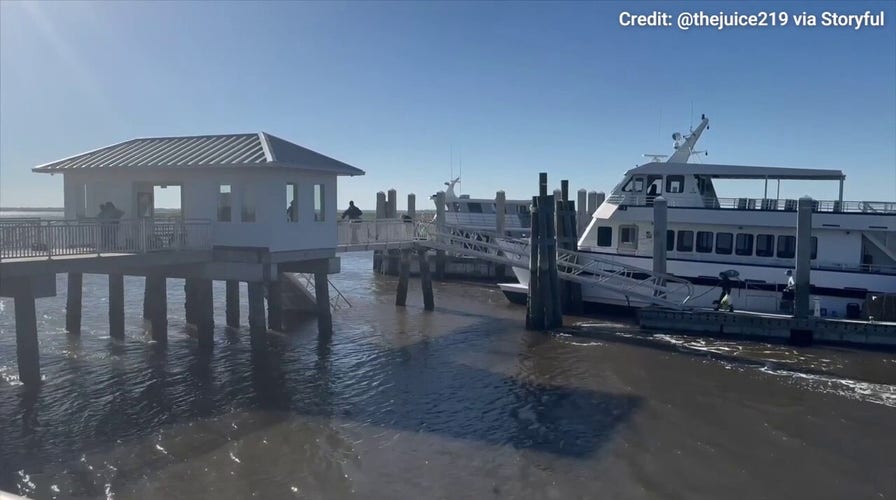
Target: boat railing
x,y
56,237
764,204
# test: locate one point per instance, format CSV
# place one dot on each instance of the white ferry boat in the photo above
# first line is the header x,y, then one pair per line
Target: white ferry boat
x,y
479,214
853,242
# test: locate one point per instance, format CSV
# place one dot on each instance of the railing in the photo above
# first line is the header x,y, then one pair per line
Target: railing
x,y
768,204
379,232
51,238
337,299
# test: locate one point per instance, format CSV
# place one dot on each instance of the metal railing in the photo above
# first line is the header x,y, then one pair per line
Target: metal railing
x,y
379,232
769,204
52,238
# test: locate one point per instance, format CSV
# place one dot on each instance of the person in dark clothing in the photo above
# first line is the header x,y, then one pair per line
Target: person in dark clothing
x,y
353,212
292,211
724,301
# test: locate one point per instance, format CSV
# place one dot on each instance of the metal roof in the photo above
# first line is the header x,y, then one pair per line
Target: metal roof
x,y
737,171
234,150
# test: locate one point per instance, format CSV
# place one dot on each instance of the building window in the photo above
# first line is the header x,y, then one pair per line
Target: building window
x,y
292,202
704,241
674,184
743,244
765,245
724,243
786,247
670,240
225,203
628,236
248,212
685,241
319,202
604,236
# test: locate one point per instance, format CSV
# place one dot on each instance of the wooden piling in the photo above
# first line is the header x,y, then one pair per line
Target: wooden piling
x,y
392,204
543,305
425,281
275,305
257,325
803,261
380,214
412,206
547,257
156,301
500,216
534,306
73,304
232,303
582,215
205,312
401,295
27,354
116,306
567,239
441,228
322,297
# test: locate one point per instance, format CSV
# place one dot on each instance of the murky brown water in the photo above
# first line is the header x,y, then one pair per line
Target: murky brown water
x,y
459,403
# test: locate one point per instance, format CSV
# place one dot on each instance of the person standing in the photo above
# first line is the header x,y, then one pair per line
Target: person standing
x,y
353,212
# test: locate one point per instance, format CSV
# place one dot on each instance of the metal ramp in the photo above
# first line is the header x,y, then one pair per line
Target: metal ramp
x,y
303,298
633,282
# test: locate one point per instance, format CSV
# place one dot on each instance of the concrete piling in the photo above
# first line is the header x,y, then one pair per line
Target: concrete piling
x,y
392,204
412,206
27,353
257,326
116,306
191,301
275,305
401,295
322,297
156,302
73,303
232,303
803,254
425,281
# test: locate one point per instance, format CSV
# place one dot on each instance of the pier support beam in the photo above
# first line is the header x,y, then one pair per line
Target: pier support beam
x,y
232,305
275,305
803,254
73,303
27,353
205,312
425,281
116,306
155,303
322,297
256,309
401,295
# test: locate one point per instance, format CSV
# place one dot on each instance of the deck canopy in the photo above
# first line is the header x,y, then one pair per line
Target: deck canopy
x,y
737,171
261,150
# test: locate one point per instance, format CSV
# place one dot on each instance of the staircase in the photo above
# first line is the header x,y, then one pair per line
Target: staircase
x,y
299,295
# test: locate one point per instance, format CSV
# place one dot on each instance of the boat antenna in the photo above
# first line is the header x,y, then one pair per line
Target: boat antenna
x,y
460,173
451,160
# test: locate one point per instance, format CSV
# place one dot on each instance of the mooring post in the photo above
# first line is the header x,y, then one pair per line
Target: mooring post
x,y
660,225
380,205
592,202
441,228
582,215
553,307
534,307
275,305
564,190
256,308
157,300
322,297
803,254
412,206
27,353
232,303
205,312
73,303
116,306
571,237
401,295
380,214
425,281
392,204
500,216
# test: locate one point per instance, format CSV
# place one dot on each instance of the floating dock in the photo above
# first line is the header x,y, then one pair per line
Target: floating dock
x,y
781,327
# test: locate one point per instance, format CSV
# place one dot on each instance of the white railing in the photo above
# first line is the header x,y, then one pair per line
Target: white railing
x,y
378,232
771,204
51,238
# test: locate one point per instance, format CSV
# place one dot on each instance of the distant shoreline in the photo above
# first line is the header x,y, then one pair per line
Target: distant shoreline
x,y
32,209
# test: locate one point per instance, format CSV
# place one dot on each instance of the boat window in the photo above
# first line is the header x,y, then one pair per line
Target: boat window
x,y
670,240
765,245
814,248
628,186
786,247
654,185
704,241
628,236
474,208
724,242
674,183
685,241
604,236
743,244
638,184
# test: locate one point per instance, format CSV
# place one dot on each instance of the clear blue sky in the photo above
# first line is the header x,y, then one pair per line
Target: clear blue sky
x,y
399,89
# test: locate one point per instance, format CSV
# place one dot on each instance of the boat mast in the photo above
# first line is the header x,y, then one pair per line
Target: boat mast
x,y
683,150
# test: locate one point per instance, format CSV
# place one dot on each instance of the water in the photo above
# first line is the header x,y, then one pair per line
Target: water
x,y
459,403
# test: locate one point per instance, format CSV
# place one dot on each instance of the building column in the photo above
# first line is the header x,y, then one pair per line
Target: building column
x,y
256,308
232,305
73,303
322,297
203,298
116,306
27,353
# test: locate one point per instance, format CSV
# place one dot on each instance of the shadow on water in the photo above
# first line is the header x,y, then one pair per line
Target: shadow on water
x,y
415,388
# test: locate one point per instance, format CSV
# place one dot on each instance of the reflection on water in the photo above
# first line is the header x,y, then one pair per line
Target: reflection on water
x,y
461,402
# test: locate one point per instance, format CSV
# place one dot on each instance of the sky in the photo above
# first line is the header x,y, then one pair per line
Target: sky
x,y
413,91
